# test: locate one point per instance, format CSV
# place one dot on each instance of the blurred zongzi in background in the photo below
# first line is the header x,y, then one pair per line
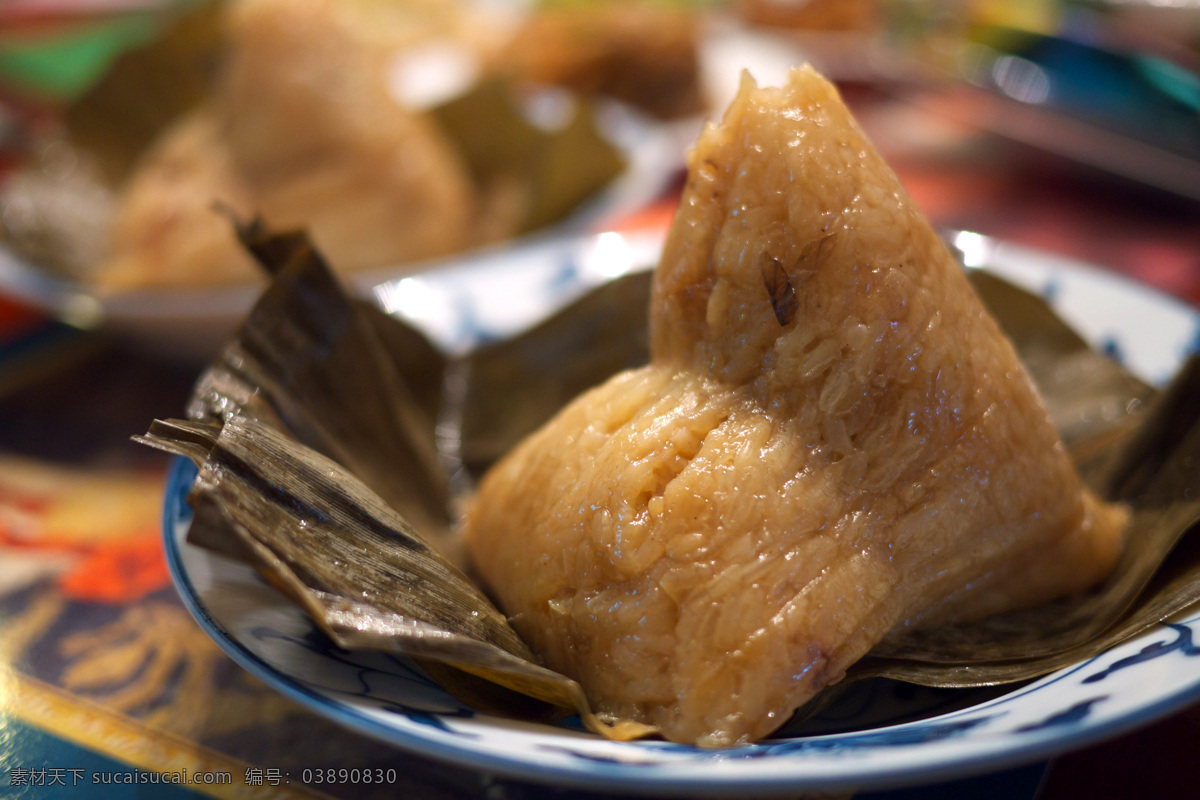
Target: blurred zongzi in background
x,y
394,131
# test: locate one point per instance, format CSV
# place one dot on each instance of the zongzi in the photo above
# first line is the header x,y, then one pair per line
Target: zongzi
x,y
833,441
302,129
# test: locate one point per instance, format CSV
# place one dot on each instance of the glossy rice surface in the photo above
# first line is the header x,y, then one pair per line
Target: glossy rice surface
x,y
833,441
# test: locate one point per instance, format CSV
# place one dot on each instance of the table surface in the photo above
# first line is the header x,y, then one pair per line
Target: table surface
x,y
102,671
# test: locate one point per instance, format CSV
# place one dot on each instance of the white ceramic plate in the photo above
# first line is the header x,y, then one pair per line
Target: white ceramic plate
x,y
888,737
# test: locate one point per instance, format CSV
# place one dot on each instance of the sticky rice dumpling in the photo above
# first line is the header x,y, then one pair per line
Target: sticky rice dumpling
x,y
833,441
300,128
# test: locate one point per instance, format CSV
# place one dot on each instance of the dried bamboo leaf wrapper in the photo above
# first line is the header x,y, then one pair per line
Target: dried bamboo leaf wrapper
x,y
300,505
299,518
552,172
514,385
1158,466
1091,398
1155,474
1022,645
1095,403
1174,588
344,378
147,88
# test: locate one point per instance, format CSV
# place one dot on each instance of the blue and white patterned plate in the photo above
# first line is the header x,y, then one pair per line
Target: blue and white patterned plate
x,y
880,737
